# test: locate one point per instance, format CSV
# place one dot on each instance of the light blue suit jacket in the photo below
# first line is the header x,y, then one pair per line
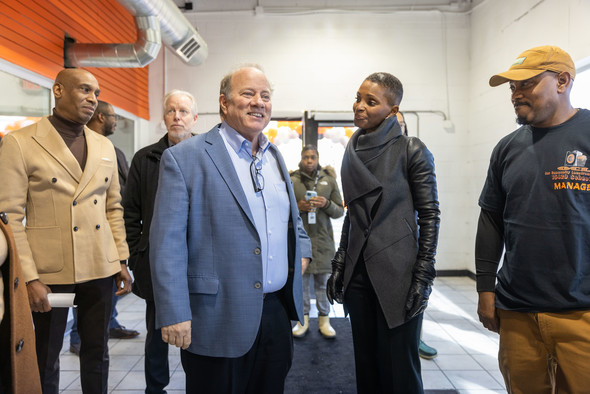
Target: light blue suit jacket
x,y
205,250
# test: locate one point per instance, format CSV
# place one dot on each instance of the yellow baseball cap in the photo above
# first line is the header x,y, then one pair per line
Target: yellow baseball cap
x,y
533,62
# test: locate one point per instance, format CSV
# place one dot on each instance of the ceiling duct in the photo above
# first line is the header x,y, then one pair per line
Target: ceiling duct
x,y
139,54
177,32
157,21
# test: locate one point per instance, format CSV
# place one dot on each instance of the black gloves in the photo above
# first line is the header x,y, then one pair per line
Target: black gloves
x,y
421,287
334,285
417,298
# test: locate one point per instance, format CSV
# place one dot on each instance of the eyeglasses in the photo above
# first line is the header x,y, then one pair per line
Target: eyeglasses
x,y
256,174
114,115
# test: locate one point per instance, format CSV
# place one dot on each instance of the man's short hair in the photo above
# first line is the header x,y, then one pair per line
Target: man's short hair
x,y
393,86
178,92
101,108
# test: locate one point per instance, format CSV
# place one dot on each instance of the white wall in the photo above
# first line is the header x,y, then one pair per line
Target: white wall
x,y
500,31
317,62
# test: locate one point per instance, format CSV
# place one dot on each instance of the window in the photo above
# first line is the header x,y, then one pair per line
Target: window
x,y
22,102
286,135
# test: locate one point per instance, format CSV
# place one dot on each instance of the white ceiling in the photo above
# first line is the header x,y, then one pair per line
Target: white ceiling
x,y
298,6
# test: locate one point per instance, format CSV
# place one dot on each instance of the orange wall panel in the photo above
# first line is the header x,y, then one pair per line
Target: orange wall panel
x,y
32,34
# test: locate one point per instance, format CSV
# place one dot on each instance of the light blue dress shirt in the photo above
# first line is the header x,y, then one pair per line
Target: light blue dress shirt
x,y
270,207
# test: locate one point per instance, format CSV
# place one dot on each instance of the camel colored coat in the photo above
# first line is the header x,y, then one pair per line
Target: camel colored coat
x,y
74,219
23,357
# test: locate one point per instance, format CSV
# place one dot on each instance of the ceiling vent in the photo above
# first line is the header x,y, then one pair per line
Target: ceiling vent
x,y
188,49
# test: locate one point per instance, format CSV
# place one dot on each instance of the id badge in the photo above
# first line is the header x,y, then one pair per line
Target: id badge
x,y
311,214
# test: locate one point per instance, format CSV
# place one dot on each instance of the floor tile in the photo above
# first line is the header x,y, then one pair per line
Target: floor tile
x,y
488,362
115,377
472,380
69,362
457,363
127,347
436,380
429,365
177,381
123,363
116,391
496,374
133,381
446,347
66,378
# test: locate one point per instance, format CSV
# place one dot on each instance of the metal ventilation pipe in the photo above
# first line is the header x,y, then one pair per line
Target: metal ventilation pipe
x,y
177,32
139,54
157,21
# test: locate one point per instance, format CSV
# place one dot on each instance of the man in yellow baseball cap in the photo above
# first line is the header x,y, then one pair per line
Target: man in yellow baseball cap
x,y
535,205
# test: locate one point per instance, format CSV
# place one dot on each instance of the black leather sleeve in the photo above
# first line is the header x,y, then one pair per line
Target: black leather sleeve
x,y
344,235
422,179
422,182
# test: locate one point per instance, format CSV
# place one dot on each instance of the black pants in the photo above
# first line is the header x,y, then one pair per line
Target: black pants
x,y
157,370
386,360
94,300
262,370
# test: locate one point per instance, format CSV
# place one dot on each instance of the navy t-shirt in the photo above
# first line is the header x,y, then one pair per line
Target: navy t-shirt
x,y
539,179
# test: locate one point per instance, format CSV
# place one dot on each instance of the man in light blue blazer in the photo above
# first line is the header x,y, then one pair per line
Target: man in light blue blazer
x,y
227,247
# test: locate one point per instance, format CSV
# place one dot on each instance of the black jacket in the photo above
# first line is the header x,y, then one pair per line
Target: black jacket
x,y
123,168
389,187
138,204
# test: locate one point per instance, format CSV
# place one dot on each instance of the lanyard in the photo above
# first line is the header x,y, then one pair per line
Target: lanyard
x,y
317,177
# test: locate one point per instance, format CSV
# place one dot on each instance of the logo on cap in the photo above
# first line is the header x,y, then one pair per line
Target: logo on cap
x,y
520,60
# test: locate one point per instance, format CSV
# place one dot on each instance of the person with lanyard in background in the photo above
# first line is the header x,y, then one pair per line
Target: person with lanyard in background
x,y
319,201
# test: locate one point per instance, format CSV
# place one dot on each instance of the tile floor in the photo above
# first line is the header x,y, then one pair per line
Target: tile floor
x,y
466,362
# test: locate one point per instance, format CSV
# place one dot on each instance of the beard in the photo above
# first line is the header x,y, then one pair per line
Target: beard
x,y
109,131
522,120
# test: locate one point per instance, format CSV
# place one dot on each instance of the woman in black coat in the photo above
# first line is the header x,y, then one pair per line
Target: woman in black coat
x,y
384,268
